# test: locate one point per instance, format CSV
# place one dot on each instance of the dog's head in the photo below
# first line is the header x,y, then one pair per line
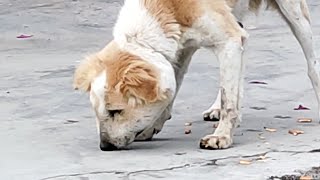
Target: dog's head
x,y
127,93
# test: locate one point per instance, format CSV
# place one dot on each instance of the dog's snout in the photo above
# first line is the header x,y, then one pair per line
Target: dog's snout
x,y
112,113
106,146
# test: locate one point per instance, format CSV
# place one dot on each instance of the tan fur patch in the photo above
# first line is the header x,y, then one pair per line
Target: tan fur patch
x,y
221,12
174,15
91,67
131,77
128,76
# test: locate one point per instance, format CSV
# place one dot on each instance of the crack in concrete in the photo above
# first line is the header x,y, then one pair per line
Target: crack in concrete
x,y
83,174
127,177
211,162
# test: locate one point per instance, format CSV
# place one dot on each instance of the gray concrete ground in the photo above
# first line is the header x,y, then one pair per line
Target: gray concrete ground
x,y
48,130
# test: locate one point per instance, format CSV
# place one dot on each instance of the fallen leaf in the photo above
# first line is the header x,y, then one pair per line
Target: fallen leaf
x,y
306,178
304,120
257,82
187,131
245,162
258,108
262,157
295,132
262,138
270,129
301,107
70,121
188,124
282,117
22,36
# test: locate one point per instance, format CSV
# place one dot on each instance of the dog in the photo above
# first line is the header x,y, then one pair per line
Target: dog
x,y
133,81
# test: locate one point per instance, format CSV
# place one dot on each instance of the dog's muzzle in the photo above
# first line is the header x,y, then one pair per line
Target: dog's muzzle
x,y
106,146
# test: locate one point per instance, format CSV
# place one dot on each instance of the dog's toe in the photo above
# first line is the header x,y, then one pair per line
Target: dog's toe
x,y
212,142
211,115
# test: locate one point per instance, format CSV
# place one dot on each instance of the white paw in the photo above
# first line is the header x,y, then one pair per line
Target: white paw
x,y
215,142
211,115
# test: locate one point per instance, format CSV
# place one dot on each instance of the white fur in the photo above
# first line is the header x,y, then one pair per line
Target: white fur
x,y
137,32
214,110
302,30
97,95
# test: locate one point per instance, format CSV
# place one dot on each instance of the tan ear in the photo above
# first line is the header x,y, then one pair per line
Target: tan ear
x,y
86,72
140,80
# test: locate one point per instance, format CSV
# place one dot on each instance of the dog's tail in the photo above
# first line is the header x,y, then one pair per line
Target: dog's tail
x,y
86,72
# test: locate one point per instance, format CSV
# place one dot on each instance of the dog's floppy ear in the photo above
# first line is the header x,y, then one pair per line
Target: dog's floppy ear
x,y
86,72
141,82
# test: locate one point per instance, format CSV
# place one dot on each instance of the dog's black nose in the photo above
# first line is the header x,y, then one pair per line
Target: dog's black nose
x,y
105,146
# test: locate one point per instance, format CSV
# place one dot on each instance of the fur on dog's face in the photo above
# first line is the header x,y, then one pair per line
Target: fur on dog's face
x,y
126,93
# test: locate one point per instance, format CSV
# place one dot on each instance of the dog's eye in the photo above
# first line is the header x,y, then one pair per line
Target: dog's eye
x,y
112,113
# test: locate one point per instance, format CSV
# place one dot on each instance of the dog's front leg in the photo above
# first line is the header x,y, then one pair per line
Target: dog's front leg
x,y
180,68
231,84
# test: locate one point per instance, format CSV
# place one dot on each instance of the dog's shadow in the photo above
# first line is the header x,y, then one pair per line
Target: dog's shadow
x,y
155,143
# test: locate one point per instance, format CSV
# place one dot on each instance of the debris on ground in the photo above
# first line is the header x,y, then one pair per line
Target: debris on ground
x,y
257,82
304,120
295,132
270,129
301,107
22,36
187,128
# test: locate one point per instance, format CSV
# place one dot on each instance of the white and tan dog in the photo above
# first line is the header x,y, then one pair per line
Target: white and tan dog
x,y
134,80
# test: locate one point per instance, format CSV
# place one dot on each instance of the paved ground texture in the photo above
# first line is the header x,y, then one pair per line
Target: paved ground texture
x,y
48,130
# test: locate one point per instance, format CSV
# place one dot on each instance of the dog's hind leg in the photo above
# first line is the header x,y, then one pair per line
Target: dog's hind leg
x,y
297,15
213,113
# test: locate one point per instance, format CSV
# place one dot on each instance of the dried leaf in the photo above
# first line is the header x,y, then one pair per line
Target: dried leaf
x,y
188,124
301,107
270,129
295,132
282,117
306,178
304,120
245,162
187,131
262,138
258,108
262,157
22,36
257,82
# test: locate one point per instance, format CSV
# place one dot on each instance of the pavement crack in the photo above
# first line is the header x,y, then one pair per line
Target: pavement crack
x,y
209,162
127,177
83,174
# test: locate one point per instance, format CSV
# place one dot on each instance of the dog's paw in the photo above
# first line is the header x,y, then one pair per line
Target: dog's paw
x,y
211,115
215,142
